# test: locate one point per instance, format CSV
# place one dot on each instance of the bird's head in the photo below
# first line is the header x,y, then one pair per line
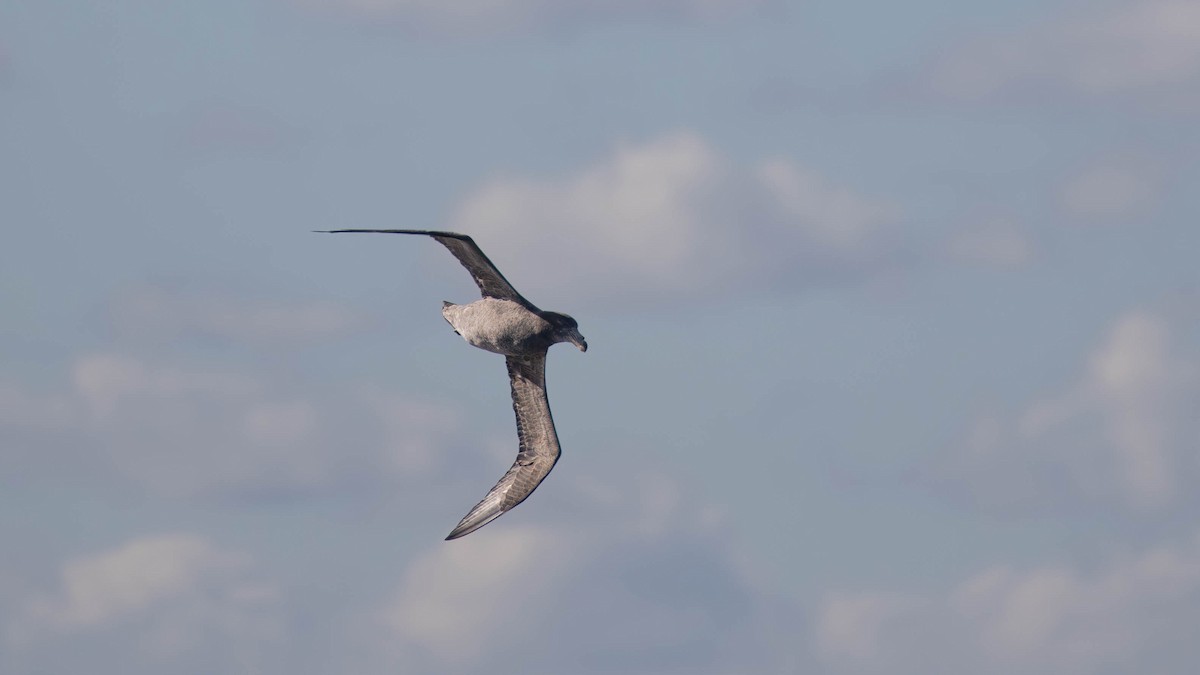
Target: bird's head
x,y
566,329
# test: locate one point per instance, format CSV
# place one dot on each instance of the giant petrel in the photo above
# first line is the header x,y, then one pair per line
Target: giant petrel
x,y
508,324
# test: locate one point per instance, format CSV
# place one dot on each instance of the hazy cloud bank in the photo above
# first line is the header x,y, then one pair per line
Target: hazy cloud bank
x,y
1124,432
172,601
189,432
1148,48
673,218
1132,609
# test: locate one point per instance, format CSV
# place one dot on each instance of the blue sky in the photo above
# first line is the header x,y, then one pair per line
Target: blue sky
x,y
893,314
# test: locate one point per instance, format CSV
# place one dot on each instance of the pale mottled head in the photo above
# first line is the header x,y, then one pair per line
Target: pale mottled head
x,y
565,329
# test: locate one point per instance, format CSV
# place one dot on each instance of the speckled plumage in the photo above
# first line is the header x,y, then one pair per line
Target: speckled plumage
x,y
506,323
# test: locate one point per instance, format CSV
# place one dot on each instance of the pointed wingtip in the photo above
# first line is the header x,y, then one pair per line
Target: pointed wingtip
x,y
460,531
468,526
484,513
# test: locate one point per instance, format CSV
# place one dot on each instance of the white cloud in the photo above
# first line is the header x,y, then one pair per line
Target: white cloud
x,y
1126,431
490,17
153,600
1110,190
1127,47
849,626
648,584
453,599
187,432
1134,610
672,217
628,574
127,580
995,244
832,217
191,432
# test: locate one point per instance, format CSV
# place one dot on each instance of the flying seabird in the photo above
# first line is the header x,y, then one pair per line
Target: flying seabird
x,y
506,323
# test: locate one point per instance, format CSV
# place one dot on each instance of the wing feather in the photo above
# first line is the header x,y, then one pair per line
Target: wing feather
x,y
538,442
487,276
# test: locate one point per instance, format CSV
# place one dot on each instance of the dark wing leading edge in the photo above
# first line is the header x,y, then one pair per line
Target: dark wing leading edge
x,y
539,447
491,282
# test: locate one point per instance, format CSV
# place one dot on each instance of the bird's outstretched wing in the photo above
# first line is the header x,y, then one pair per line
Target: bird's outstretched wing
x,y
539,447
491,282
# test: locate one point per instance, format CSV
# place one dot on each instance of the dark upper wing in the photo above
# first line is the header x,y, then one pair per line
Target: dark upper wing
x,y
491,282
538,442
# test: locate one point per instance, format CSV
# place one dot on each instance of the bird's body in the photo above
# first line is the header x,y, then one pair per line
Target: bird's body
x,y
506,323
500,326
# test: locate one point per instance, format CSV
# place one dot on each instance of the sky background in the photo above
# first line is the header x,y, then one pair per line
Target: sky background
x,y
894,316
